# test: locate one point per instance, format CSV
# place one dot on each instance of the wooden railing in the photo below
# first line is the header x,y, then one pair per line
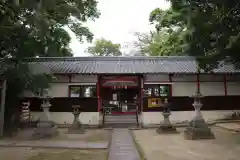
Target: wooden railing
x,y
107,109
103,114
137,115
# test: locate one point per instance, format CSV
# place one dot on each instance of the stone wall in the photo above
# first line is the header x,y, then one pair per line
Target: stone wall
x,y
149,118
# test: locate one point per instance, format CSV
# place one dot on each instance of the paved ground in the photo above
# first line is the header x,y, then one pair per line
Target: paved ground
x,y
22,153
226,146
90,135
91,139
230,126
55,144
122,146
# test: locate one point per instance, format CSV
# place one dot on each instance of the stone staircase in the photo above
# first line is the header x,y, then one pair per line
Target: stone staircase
x,y
120,121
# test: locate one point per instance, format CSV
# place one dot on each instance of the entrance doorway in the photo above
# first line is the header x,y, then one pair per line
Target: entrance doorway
x,y
120,94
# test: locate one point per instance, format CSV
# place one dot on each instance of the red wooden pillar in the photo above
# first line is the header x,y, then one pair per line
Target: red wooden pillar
x,y
98,92
141,92
198,83
225,85
170,89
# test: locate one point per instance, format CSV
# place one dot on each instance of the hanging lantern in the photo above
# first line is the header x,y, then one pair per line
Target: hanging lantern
x,y
125,86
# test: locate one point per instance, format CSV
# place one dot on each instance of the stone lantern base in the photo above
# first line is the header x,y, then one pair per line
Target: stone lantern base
x,y
166,129
45,129
198,129
76,128
166,126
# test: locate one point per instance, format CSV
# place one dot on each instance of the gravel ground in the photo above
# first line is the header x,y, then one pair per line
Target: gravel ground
x,y
226,146
22,153
91,135
51,154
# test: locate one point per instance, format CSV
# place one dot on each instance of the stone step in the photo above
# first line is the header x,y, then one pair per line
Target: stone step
x,y
121,125
120,119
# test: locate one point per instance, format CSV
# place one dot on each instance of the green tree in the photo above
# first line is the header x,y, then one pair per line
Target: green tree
x,y
213,31
103,47
30,28
160,43
35,27
168,39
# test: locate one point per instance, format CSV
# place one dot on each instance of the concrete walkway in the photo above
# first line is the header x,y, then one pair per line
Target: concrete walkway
x,y
122,146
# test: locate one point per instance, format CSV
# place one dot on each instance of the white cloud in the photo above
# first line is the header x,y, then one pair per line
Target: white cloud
x,y
118,20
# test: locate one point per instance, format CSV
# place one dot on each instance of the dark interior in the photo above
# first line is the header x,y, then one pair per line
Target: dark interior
x,y
125,97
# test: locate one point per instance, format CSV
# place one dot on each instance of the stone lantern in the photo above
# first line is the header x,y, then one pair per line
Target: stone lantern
x,y
77,126
46,106
166,126
198,128
45,127
197,105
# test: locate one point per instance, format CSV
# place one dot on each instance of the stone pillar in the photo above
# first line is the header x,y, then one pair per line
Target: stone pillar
x,y
166,126
45,127
77,126
46,106
198,128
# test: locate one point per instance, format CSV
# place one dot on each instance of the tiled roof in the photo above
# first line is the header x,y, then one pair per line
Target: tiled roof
x,y
121,65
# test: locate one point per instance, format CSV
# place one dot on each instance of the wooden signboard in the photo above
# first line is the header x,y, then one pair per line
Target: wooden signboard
x,y
154,102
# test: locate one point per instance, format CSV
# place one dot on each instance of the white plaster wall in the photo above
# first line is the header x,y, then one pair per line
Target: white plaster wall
x,y
84,78
212,88
182,78
233,88
28,94
91,118
233,78
157,78
61,78
183,88
57,89
178,116
60,86
211,78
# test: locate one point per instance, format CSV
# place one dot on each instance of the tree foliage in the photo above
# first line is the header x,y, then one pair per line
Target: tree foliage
x,y
160,43
35,27
168,39
213,31
30,28
103,47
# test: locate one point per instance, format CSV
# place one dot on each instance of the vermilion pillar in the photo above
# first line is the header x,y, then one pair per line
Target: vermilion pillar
x,y
98,92
141,93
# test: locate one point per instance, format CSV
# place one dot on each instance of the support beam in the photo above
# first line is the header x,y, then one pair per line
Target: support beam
x,y
198,83
69,78
98,93
225,85
141,92
170,89
2,111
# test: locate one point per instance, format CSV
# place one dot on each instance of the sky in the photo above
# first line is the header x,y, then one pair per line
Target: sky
x,y
118,21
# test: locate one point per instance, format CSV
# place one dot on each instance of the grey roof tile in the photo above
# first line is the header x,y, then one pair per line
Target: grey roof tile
x,y
123,65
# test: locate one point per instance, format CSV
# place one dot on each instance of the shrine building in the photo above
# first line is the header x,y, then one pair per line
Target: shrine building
x,y
134,88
